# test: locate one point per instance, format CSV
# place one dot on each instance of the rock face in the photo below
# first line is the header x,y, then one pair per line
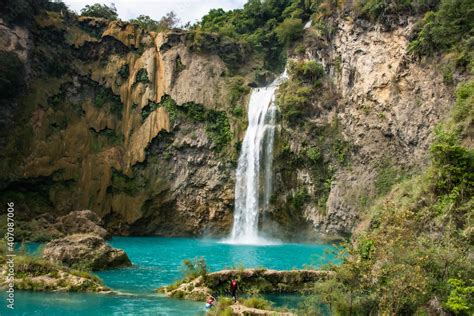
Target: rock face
x,y
249,280
81,222
372,123
83,250
100,134
47,227
139,128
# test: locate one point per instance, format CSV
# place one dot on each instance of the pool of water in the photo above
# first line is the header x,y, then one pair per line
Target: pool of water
x,y
156,262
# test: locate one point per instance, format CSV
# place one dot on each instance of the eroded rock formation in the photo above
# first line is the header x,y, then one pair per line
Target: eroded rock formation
x,y
139,128
85,250
249,280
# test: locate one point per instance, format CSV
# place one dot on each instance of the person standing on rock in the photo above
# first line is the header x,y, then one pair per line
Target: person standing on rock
x,y
233,289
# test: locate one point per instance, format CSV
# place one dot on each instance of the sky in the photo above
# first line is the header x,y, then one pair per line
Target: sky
x,y
186,10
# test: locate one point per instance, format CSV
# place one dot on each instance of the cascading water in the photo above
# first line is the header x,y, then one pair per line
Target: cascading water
x,y
254,171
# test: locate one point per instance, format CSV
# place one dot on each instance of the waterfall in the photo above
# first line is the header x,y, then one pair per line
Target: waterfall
x,y
253,186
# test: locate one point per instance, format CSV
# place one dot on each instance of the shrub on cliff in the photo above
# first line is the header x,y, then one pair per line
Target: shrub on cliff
x,y
289,30
22,11
194,268
262,26
295,95
418,241
450,28
100,11
167,22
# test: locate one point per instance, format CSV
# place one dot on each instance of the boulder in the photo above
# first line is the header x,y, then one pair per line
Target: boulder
x,y
81,222
85,251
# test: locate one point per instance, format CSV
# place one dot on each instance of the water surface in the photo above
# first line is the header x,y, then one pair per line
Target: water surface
x,y
156,262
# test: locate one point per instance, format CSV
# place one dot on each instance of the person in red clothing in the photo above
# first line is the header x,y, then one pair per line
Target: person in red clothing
x,y
233,289
210,302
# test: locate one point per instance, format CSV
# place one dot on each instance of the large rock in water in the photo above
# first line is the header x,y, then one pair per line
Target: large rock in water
x,y
47,226
81,222
85,251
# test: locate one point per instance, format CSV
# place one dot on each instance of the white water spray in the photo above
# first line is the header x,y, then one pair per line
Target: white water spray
x,y
253,186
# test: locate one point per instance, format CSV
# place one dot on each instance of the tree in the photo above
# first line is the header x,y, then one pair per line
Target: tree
x,y
289,30
145,22
100,11
167,22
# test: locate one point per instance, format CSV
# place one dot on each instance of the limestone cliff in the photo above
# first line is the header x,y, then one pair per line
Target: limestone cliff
x,y
144,130
110,121
371,124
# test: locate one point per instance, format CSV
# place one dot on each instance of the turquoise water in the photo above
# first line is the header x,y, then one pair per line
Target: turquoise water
x,y
156,262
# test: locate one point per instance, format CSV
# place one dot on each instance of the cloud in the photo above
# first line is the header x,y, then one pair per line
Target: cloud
x,y
187,10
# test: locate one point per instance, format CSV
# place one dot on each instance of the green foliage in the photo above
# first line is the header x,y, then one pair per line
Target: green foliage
x,y
167,102
124,71
194,268
453,164
32,266
447,29
289,30
218,129
29,267
313,154
100,11
463,110
23,11
366,249
237,90
179,66
105,96
341,150
461,297
222,307
147,109
12,75
141,76
398,265
167,22
261,28
387,177
299,198
381,10
307,72
257,302
122,183
217,124
295,95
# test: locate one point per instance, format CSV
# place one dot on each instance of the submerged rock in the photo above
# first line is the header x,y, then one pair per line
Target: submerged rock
x,y
85,251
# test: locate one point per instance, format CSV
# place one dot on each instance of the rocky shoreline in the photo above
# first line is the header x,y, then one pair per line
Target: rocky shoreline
x,y
65,263
251,281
